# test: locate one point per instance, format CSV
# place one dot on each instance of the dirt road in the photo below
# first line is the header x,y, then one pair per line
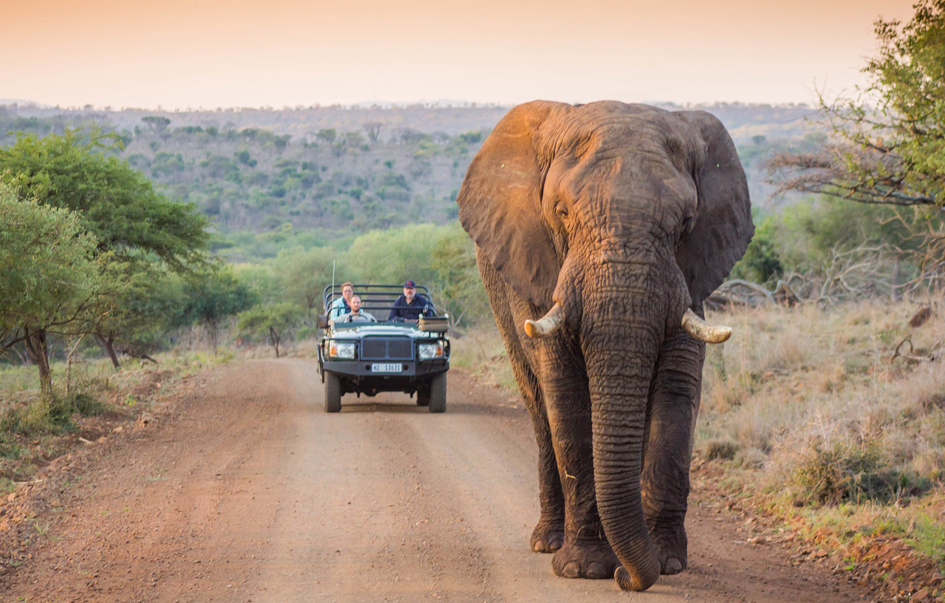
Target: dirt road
x,y
249,492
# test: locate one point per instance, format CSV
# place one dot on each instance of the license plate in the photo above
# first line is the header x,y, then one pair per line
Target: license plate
x,y
387,368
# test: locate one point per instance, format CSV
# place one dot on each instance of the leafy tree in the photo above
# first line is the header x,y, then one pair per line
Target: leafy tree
x,y
281,142
276,321
894,153
304,274
354,139
762,260
245,158
137,305
817,243
327,135
156,123
471,137
167,164
392,256
117,204
262,280
211,298
48,274
457,285
218,166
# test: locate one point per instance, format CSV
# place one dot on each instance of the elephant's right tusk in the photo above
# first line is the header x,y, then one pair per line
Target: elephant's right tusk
x,y
702,330
547,324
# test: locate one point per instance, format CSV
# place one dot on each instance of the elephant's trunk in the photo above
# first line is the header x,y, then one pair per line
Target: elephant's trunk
x,y
622,328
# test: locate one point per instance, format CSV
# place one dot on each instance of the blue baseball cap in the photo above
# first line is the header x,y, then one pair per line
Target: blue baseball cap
x,y
409,285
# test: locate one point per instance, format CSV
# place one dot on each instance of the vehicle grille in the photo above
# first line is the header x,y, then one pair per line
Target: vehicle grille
x,y
376,348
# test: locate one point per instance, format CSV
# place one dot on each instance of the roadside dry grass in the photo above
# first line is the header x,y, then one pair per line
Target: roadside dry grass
x,y
35,430
480,352
832,422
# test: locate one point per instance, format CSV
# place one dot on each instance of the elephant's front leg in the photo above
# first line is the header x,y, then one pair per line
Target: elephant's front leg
x,y
674,405
585,553
548,535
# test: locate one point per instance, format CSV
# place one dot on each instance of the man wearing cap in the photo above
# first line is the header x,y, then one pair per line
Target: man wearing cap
x,y
408,306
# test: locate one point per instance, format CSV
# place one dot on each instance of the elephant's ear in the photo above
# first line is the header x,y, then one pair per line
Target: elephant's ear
x,y
723,226
500,204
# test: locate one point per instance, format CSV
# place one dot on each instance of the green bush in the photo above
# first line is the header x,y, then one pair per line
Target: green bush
x,y
49,415
853,473
761,262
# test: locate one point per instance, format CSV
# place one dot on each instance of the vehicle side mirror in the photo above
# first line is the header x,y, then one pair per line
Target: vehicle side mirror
x,y
322,321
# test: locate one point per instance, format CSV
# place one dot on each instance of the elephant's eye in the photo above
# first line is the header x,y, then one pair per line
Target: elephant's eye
x,y
562,212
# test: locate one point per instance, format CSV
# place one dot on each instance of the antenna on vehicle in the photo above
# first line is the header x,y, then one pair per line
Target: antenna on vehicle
x,y
333,280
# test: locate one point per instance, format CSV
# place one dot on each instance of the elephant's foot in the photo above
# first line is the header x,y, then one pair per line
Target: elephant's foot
x,y
548,536
594,560
671,549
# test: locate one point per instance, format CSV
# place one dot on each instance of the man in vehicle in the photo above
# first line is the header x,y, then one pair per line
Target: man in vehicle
x,y
342,305
356,314
408,306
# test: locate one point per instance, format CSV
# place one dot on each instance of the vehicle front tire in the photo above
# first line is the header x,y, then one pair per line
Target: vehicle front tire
x,y
438,393
332,392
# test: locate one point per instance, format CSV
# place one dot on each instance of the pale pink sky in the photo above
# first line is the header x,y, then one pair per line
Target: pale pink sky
x,y
236,53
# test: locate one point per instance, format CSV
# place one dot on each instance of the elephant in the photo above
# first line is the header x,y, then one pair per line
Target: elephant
x,y
599,230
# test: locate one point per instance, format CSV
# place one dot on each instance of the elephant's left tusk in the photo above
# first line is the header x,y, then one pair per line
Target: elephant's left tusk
x,y
702,330
547,324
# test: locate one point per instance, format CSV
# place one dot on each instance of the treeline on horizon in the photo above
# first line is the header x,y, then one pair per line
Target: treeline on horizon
x,y
335,181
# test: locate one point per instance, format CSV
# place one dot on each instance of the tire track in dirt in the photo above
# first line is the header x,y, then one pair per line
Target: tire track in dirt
x,y
372,527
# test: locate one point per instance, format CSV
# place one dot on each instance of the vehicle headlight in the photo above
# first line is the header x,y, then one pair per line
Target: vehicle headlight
x,y
429,351
345,351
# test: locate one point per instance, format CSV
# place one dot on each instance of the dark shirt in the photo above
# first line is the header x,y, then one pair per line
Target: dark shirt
x,y
407,311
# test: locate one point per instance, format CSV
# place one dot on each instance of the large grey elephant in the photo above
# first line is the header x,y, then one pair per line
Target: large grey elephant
x,y
599,231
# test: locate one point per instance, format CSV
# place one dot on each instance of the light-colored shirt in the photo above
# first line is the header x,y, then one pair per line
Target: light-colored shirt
x,y
361,316
337,309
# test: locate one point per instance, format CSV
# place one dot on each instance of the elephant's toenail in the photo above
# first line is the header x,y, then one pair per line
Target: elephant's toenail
x,y
673,566
572,570
596,571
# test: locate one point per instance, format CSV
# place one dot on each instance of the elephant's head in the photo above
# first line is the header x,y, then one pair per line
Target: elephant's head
x,y
620,219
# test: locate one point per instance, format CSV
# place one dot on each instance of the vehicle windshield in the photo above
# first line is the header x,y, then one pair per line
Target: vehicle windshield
x,y
378,301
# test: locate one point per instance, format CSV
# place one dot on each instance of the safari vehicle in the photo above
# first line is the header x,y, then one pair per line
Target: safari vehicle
x,y
410,356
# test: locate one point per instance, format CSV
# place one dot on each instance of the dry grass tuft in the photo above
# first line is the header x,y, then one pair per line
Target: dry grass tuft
x,y
720,449
481,352
829,418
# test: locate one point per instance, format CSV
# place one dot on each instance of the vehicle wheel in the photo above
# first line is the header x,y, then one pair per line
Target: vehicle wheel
x,y
438,393
423,396
332,392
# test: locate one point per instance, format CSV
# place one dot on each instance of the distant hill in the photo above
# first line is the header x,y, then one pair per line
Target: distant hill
x,y
344,169
742,120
